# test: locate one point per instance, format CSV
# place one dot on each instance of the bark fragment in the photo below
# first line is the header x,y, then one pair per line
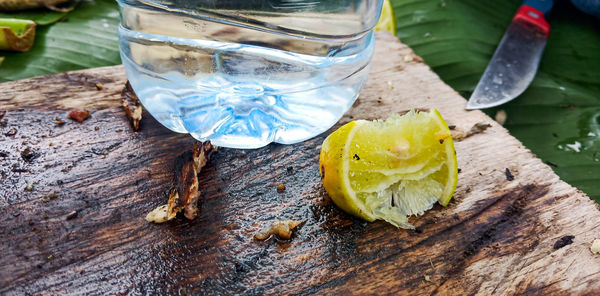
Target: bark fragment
x,y
131,104
185,192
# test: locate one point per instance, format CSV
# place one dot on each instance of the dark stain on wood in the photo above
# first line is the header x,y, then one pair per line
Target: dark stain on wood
x,y
28,154
564,241
488,225
509,175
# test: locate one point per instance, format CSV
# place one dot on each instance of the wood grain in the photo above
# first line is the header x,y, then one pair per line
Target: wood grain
x,y
495,237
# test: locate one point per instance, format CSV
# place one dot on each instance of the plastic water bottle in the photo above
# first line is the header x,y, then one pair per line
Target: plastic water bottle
x,y
245,73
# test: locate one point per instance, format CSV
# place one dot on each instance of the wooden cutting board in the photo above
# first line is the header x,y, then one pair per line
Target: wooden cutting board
x,y
530,235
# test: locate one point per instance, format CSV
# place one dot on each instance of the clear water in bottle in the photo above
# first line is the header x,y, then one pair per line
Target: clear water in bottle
x,y
244,73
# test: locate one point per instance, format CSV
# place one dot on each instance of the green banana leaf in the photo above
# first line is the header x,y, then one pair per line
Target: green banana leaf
x,y
41,17
85,38
558,116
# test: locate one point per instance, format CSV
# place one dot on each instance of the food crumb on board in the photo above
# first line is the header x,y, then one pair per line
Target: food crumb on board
x,y
72,215
280,188
459,135
160,214
79,115
479,127
595,248
50,197
282,229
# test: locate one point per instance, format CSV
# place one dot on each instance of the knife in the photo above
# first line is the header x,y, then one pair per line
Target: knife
x,y
516,59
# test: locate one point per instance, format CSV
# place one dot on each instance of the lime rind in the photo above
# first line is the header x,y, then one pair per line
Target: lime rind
x,y
387,20
351,194
332,167
451,165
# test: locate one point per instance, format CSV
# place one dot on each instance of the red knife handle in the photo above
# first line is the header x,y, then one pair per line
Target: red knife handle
x,y
531,16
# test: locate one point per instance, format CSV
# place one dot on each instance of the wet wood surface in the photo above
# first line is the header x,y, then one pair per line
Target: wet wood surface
x,y
72,206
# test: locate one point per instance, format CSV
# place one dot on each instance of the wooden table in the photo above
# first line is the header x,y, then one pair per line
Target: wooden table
x,y
495,237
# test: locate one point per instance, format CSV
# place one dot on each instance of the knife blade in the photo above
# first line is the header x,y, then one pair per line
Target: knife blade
x,y
515,62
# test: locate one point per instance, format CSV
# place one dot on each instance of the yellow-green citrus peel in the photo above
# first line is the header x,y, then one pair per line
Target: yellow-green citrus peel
x,y
387,20
390,169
